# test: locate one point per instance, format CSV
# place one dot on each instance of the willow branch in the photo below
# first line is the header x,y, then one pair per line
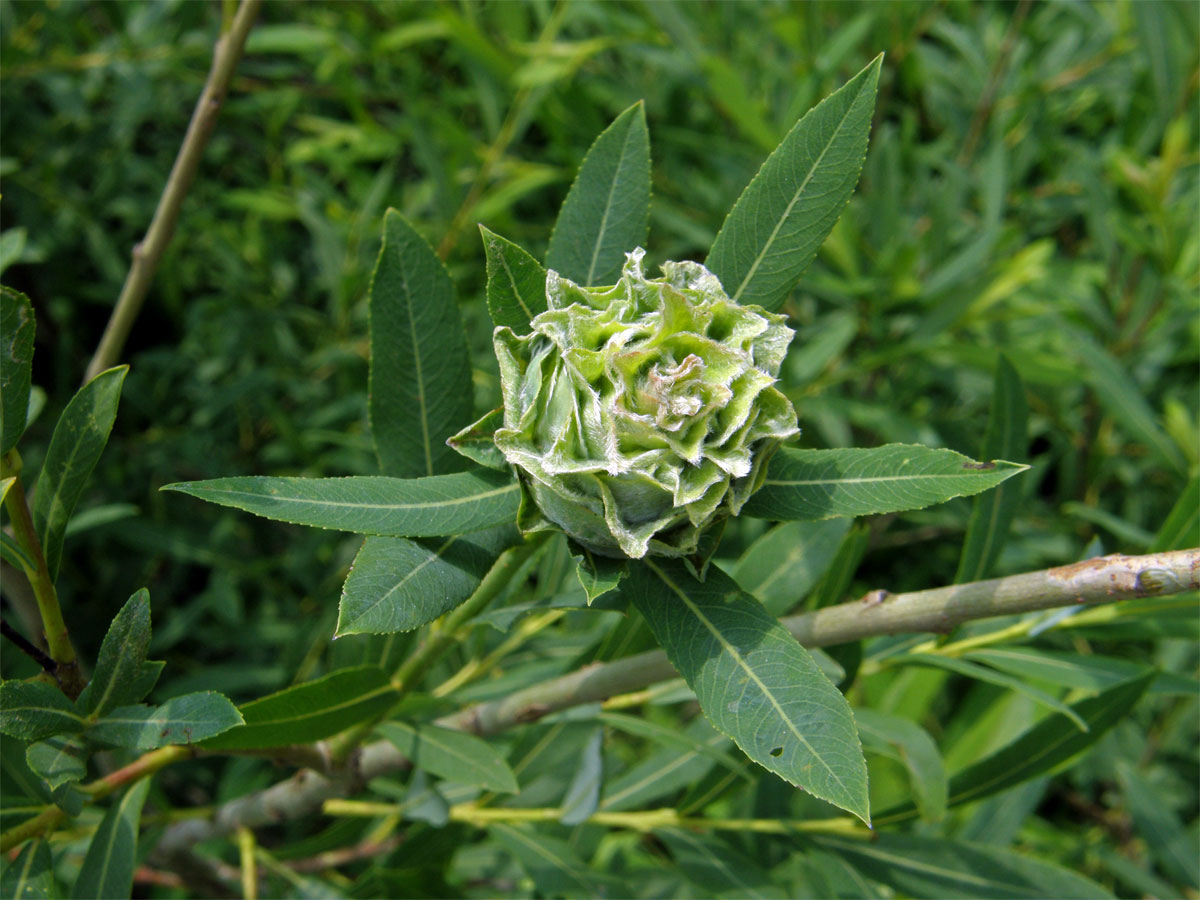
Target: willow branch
x,y
1096,581
149,251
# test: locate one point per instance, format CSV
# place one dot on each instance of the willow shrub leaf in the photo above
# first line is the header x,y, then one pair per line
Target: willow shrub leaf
x,y
910,745
788,209
57,760
787,562
181,720
477,441
1043,748
583,794
714,866
118,676
665,771
824,484
371,504
1089,672
32,710
108,865
453,755
16,360
554,865
937,867
598,574
420,378
75,448
1156,822
398,584
607,211
1182,525
310,712
516,283
754,681
31,875
991,514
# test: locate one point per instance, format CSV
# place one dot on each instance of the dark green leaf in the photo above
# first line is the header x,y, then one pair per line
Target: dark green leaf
x,y
754,681
58,760
453,755
607,211
420,379
783,565
1157,824
108,865
788,209
17,327
554,866
914,748
32,710
79,438
714,866
181,720
992,512
119,665
1089,672
597,574
937,867
397,585
31,875
516,283
372,504
823,484
1182,527
665,771
477,442
310,712
583,794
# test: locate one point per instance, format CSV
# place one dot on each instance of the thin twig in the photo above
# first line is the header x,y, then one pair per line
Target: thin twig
x,y
148,252
27,648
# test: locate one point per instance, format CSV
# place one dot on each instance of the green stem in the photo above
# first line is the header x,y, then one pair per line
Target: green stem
x,y
58,639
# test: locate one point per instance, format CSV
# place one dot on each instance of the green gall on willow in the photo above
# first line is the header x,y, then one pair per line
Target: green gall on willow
x,y
637,415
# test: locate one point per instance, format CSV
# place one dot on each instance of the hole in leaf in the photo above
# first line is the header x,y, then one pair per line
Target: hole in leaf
x,y
778,751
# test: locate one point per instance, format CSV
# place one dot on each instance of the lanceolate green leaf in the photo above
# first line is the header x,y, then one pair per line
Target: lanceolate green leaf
x,y
31,875
453,755
372,504
754,681
79,438
107,869
607,211
398,584
992,512
1043,748
516,283
937,867
420,379
181,720
714,866
824,484
16,358
554,865
1182,527
912,746
783,565
119,665
32,710
788,209
58,760
311,711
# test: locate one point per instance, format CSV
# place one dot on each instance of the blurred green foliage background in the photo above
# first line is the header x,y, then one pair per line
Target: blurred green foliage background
x,y
1030,190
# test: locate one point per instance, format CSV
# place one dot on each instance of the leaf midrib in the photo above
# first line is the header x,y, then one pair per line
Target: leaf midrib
x,y
608,204
872,479
457,501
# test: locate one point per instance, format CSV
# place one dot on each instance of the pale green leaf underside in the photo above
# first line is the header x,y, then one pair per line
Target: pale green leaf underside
x,y
453,755
824,484
607,211
372,504
311,711
420,377
791,205
754,681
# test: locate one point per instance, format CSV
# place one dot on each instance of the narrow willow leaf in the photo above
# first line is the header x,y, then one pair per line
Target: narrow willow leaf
x,y
597,574
1000,679
1089,672
425,803
1050,743
17,327
397,585
937,867
32,710
516,283
665,771
783,565
372,504
715,867
912,746
1182,527
583,794
108,865
181,720
58,760
453,755
607,211
829,875
420,379
1159,826
671,737
554,866
788,209
477,442
119,665
78,440
754,681
31,875
992,512
310,712
9,548
824,484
